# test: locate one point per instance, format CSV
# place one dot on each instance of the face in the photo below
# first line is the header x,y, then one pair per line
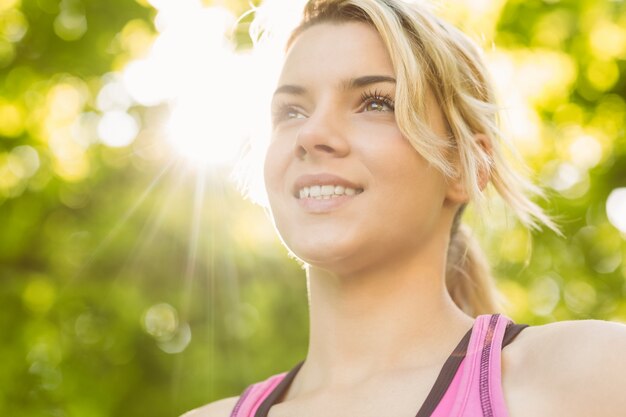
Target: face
x,y
346,189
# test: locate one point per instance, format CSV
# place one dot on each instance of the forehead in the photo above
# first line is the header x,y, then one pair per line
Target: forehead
x,y
338,50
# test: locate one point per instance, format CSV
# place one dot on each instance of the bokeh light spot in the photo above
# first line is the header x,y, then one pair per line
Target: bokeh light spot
x,y
544,295
85,129
608,40
136,38
161,321
580,296
11,119
178,342
39,295
616,208
72,166
66,100
11,175
560,176
13,25
28,159
113,95
602,74
70,25
554,29
565,176
8,4
117,128
543,75
608,264
585,151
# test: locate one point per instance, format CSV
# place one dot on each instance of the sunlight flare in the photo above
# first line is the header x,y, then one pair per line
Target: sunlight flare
x,y
217,96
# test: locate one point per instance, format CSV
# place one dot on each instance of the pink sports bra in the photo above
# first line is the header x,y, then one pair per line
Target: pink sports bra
x,y
469,383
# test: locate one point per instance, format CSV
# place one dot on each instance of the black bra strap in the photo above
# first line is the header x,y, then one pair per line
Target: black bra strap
x,y
438,390
511,332
445,377
277,392
452,365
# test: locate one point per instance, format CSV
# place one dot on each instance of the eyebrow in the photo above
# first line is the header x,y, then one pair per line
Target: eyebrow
x,y
366,80
351,84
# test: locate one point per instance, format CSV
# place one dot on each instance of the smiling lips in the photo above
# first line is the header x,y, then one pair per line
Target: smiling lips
x,y
324,187
326,191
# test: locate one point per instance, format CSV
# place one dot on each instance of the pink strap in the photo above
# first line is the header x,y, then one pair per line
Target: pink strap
x,y
476,389
253,396
493,383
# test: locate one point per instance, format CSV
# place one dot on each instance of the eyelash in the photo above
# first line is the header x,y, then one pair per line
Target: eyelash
x,y
368,97
377,96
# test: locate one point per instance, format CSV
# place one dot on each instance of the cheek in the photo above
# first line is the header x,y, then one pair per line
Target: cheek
x,y
274,166
391,157
278,158
397,168
382,134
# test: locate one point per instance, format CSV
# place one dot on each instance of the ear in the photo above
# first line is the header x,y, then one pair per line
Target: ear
x,y
456,189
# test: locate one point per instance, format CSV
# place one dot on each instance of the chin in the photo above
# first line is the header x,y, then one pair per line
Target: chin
x,y
316,255
332,254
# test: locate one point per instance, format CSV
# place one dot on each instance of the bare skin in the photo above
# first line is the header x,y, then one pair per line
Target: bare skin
x,y
382,322
560,369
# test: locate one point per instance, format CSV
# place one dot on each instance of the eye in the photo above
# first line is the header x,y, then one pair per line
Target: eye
x,y
283,112
377,101
377,105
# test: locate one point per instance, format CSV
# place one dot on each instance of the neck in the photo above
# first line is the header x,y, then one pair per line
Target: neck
x,y
396,317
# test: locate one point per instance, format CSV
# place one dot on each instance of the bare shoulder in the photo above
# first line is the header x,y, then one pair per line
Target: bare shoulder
x,y
579,360
584,344
574,337
221,408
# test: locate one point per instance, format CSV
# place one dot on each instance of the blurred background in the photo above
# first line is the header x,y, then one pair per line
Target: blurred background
x,y
135,280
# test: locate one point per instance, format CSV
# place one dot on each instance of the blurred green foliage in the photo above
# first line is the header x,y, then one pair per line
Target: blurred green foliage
x,y
133,286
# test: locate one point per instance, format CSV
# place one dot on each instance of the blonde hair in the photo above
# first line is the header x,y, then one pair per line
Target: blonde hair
x,y
429,54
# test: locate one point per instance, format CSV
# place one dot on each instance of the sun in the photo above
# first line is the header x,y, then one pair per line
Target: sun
x,y
218,96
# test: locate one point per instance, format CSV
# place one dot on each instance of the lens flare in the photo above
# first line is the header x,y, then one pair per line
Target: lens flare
x,y
216,95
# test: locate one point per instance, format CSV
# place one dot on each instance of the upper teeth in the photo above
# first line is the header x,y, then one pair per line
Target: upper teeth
x,y
326,191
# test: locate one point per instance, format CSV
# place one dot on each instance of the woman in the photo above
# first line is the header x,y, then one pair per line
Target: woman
x,y
383,130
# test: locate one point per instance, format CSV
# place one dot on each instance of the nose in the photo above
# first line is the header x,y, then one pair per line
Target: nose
x,y
322,135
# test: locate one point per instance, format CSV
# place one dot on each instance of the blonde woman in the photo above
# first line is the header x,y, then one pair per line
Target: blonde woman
x,y
383,130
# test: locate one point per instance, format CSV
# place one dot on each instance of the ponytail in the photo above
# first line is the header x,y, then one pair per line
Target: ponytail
x,y
468,276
